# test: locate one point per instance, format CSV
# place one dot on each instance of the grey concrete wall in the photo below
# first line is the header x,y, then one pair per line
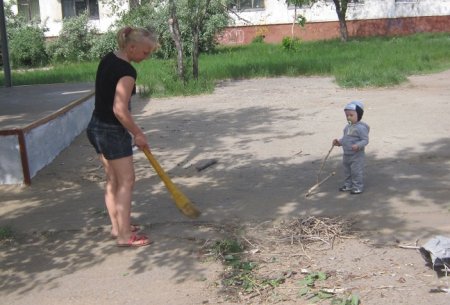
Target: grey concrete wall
x,y
46,141
10,163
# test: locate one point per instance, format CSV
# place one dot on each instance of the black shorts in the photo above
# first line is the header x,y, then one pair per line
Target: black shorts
x,y
110,140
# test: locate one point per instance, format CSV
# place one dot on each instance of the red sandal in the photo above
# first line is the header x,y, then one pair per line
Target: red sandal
x,y
136,241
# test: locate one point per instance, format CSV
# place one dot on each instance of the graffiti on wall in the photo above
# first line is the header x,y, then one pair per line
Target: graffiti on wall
x,y
232,36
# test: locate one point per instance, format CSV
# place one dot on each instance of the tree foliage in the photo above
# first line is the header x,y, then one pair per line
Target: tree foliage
x,y
75,40
198,23
27,47
26,40
155,14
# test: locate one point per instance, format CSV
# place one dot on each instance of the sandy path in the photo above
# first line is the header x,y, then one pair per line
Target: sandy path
x,y
269,137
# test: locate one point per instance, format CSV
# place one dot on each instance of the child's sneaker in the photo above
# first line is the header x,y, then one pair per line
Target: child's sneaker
x,y
356,191
345,188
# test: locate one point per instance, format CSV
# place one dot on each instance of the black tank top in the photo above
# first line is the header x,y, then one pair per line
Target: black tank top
x,y
110,70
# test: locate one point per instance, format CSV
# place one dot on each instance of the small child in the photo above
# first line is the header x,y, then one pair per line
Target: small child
x,y
356,137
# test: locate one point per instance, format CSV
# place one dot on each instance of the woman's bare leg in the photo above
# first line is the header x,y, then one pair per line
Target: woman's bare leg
x,y
118,191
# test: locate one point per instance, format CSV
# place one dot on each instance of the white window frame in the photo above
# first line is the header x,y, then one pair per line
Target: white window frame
x,y
237,6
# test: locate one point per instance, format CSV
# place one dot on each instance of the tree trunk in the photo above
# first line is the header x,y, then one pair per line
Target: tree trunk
x,y
341,11
195,53
176,36
197,27
133,3
293,22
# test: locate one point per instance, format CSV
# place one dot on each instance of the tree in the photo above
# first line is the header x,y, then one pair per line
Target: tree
x,y
174,28
296,4
341,10
198,11
186,27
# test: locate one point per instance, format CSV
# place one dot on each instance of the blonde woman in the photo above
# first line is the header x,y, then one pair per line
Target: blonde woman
x,y
112,130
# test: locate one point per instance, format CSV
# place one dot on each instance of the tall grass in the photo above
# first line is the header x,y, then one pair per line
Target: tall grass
x,y
379,61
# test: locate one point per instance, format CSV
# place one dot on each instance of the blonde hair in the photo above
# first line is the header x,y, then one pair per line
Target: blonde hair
x,y
130,34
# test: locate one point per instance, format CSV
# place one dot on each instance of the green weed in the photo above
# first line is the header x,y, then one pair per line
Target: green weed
x,y
6,234
240,274
308,290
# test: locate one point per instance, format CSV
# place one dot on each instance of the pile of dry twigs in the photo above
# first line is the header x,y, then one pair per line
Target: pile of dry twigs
x,y
312,230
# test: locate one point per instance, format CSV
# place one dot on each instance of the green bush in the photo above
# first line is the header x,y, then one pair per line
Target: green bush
x,y
103,44
74,42
27,47
258,39
290,43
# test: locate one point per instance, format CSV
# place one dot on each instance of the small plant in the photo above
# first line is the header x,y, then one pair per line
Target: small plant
x,y
258,39
311,292
6,234
308,285
351,300
226,248
290,43
240,274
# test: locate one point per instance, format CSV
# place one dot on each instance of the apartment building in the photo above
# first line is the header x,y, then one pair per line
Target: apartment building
x,y
51,13
273,18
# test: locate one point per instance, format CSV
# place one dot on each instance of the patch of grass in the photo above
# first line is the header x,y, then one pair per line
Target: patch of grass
x,y
363,62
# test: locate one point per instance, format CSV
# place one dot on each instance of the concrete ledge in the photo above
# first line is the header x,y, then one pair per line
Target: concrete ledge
x,y
26,150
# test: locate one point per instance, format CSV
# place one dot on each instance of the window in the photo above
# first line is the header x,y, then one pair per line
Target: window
x,y
29,9
240,5
71,8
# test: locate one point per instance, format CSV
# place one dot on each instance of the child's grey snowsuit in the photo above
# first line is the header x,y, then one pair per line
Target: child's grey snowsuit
x,y
354,161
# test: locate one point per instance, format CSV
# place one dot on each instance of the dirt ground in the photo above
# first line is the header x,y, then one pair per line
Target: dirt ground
x,y
269,137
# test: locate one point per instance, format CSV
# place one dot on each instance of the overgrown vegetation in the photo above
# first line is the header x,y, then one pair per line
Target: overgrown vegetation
x,y
378,61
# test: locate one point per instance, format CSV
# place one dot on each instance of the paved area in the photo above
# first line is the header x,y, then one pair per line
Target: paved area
x,y
22,105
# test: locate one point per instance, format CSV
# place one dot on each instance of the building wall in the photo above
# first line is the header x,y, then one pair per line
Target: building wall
x,y
373,17
277,12
51,16
274,21
274,33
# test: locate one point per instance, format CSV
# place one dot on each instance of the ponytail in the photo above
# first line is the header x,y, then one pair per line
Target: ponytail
x,y
130,34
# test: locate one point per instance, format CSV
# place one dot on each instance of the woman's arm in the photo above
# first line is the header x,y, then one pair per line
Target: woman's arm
x,y
121,110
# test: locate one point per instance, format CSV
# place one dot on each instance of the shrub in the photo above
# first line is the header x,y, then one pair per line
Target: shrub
x,y
103,44
27,47
258,39
74,42
290,43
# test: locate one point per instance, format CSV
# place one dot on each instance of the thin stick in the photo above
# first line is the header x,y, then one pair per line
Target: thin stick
x,y
323,163
319,183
